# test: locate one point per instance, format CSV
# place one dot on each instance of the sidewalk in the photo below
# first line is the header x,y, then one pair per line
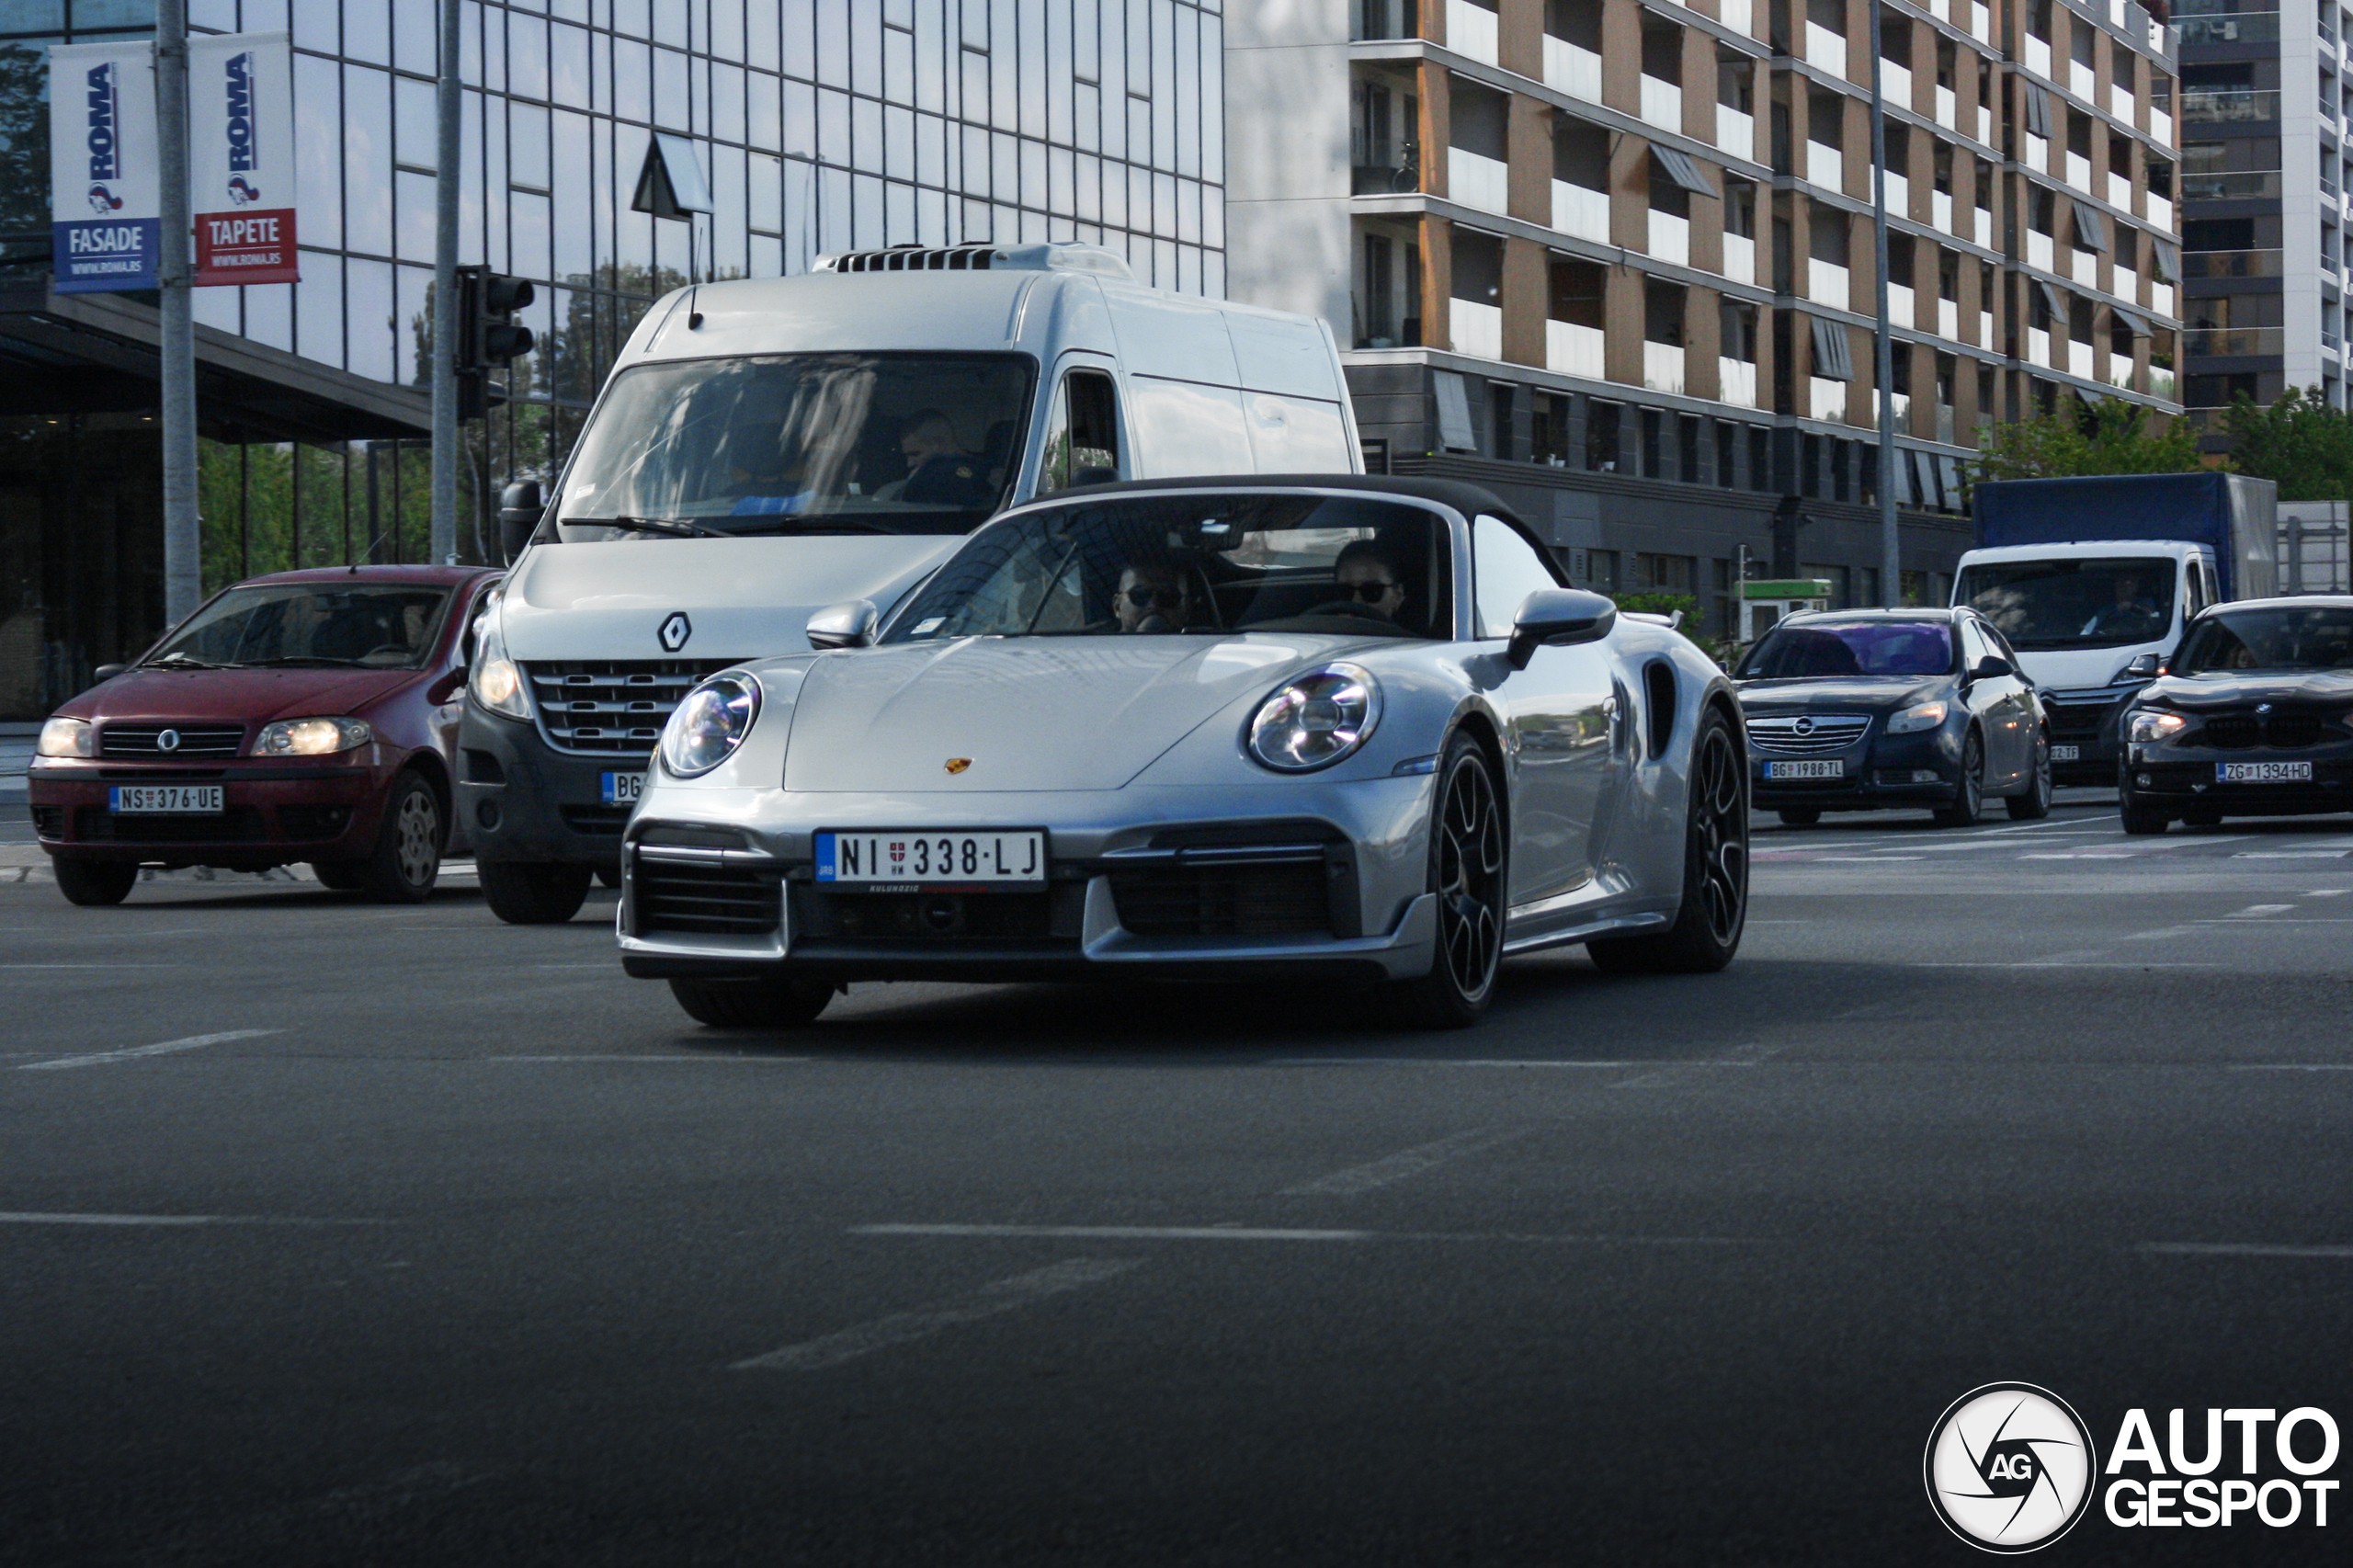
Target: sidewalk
x,y
15,753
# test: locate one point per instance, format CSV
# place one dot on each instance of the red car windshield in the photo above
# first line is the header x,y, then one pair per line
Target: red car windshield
x,y
375,626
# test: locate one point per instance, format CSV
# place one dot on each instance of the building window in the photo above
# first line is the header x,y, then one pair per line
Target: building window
x,y
1499,416
1548,429
1760,457
1653,454
1601,436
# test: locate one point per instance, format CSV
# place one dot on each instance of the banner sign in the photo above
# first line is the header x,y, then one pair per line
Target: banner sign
x,y
103,189
240,157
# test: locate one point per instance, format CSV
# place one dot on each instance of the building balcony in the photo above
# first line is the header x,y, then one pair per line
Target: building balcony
x,y
2245,27
1478,328
2079,360
2161,298
1949,320
1663,367
1670,238
2084,267
1948,424
2037,56
2038,251
1825,399
2119,102
1899,194
2119,370
1736,132
1825,51
1574,350
1470,29
1901,406
1826,166
1948,110
1941,210
1985,125
2038,346
1902,306
2229,106
1383,173
2229,264
1740,258
1571,69
2160,211
2120,191
1737,15
1476,181
2125,284
2161,383
1582,212
2034,151
1984,329
1737,380
1663,105
2161,125
1981,22
1826,284
2082,82
1981,230
2079,173
1896,82
2218,342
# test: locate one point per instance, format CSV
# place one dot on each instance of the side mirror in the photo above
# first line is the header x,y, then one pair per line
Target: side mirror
x,y
108,672
519,507
2144,666
1992,668
1558,618
847,625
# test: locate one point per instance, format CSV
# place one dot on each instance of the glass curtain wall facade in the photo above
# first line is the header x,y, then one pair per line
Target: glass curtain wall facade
x,y
821,126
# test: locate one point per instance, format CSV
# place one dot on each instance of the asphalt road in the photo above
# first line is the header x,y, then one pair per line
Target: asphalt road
x,y
341,1234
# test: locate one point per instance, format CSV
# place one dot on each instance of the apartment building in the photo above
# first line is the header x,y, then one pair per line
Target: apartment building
x,y
1616,258
2265,96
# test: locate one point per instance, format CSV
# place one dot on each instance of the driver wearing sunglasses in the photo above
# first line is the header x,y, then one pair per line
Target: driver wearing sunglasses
x,y
1366,574
1154,596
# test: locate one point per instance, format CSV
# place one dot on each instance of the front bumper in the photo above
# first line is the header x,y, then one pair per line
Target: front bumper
x,y
2090,721
1878,772
1180,884
2183,779
273,813
520,798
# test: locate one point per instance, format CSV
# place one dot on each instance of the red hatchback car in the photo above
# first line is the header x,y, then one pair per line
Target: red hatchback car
x,y
304,716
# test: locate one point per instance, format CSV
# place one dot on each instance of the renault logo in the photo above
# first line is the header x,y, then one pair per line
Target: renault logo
x,y
674,632
169,741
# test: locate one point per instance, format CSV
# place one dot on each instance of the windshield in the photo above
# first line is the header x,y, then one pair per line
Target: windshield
x,y
2319,637
1911,647
800,443
1200,564
2073,604
375,625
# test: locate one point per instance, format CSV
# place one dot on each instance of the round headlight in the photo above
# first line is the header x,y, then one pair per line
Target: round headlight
x,y
711,724
1316,720
312,737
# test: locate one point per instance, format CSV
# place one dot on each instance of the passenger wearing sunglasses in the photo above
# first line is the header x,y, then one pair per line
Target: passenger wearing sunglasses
x,y
1370,578
1154,596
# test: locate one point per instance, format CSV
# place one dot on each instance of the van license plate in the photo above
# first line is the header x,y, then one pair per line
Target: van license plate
x,y
2066,754
1836,767
623,789
2263,773
164,799
932,860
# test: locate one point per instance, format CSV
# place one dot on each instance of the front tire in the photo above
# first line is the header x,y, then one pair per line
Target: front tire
x,y
532,893
1470,853
1714,909
406,862
2035,805
752,1004
2141,821
1967,808
95,883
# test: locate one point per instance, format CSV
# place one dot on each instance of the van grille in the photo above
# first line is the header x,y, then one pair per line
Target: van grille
x,y
194,740
2073,719
704,900
1807,734
612,707
1225,901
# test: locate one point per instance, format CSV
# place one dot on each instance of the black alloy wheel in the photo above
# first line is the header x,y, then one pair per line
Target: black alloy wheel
x,y
1714,908
532,893
1469,853
95,882
781,1004
2033,803
408,858
1798,818
1967,808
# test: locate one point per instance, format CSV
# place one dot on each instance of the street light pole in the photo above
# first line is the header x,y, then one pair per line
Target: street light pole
x,y
182,527
446,178
1891,566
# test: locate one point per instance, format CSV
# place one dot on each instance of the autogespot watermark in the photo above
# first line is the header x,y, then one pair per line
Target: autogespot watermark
x,y
2011,1467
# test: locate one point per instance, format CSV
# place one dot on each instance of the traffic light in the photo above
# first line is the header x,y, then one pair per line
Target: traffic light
x,y
488,336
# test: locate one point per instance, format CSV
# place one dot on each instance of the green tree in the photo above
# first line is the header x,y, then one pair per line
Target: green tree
x,y
2300,443
2109,437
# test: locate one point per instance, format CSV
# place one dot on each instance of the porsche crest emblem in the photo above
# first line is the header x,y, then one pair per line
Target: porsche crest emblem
x,y
958,764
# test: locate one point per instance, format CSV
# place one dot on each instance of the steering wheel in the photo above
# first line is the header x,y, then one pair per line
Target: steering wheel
x,y
396,649
1356,607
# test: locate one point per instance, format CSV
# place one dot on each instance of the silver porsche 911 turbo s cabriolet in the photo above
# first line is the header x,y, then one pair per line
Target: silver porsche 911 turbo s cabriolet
x,y
1358,728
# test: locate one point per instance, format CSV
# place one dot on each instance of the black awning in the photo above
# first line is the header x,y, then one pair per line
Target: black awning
x,y
2038,109
2169,260
1683,169
2055,298
2133,321
1832,359
2091,234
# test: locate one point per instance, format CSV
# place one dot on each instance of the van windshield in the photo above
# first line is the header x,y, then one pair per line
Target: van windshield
x,y
2073,603
800,443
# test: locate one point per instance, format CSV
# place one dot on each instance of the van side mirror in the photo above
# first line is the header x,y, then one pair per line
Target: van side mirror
x,y
108,672
2144,666
1992,668
847,625
519,507
1558,618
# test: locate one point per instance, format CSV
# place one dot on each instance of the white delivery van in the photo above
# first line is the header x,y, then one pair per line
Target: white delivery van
x,y
764,449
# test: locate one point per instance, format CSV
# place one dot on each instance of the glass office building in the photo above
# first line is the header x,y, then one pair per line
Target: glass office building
x,y
819,126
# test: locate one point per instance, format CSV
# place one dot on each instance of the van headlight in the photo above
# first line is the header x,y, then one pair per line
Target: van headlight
x,y
1315,719
705,730
1926,716
496,680
2148,726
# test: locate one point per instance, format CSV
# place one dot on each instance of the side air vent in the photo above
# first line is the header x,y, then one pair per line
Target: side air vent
x,y
1658,697
1060,257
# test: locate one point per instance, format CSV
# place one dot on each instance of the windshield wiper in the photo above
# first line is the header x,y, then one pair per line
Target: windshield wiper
x,y
818,523
185,662
312,659
677,527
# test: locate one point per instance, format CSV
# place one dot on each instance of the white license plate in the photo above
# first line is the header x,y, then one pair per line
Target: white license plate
x,y
624,788
164,799
1836,767
931,860
2066,754
2263,772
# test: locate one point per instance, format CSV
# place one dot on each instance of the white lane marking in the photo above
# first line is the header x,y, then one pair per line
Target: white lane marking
x,y
649,1056
2327,893
1447,1062
1405,1162
22,1219
1122,1232
2257,911
2163,933
92,966
2291,1066
164,1049
2290,854
1862,860
2242,1249
900,1328
2046,964
1670,1074
2089,855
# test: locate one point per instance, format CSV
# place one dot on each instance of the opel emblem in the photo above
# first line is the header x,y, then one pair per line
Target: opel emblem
x,y
1803,727
958,764
674,632
169,741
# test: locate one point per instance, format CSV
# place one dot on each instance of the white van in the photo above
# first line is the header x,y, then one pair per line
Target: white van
x,y
765,449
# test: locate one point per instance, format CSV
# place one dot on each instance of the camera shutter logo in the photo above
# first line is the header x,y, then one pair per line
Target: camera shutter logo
x,y
2011,1467
674,632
